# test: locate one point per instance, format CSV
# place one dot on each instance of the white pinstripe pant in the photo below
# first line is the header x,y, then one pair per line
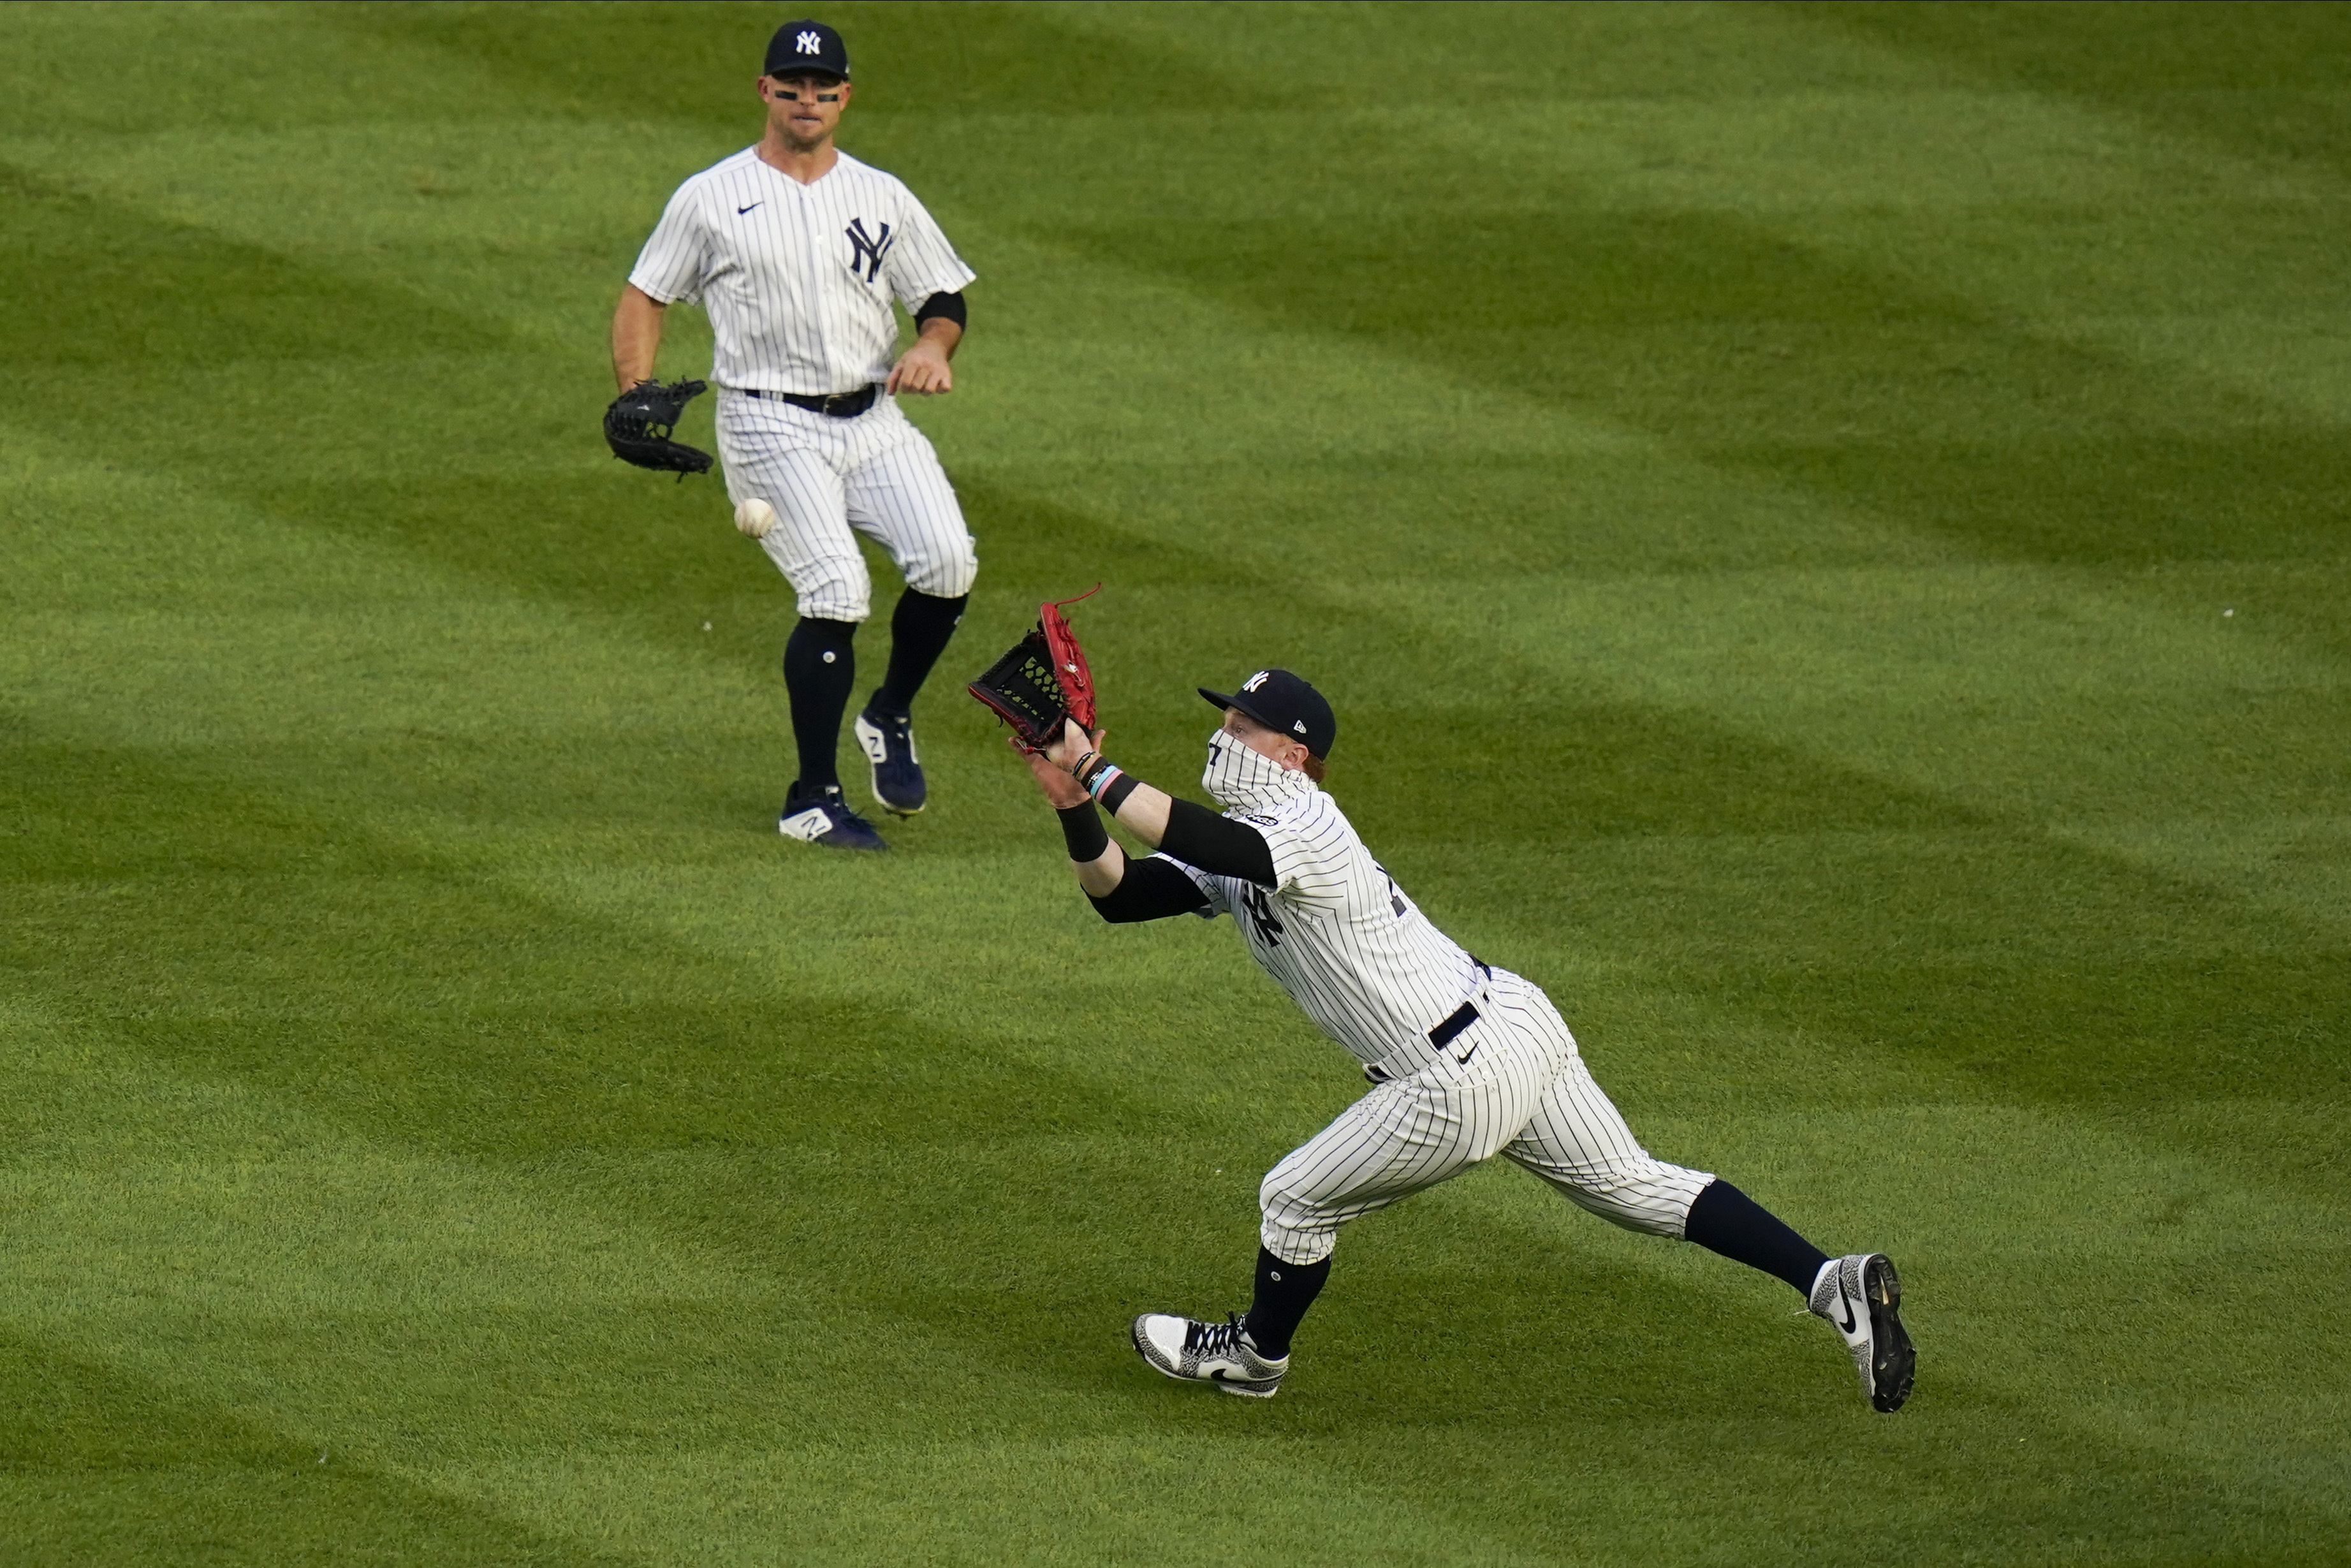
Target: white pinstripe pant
x,y
1525,1093
876,474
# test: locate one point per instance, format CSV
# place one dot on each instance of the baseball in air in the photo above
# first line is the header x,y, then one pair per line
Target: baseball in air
x,y
755,518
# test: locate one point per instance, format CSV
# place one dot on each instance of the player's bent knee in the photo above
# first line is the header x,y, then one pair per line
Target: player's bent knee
x,y
834,592
949,577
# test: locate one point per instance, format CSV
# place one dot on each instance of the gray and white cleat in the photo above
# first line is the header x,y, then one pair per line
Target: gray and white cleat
x,y
1861,1296
1219,1353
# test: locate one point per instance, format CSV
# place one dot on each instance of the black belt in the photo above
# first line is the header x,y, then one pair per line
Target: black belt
x,y
1445,1034
834,405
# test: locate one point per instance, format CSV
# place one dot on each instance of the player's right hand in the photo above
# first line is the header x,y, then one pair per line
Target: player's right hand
x,y
1071,747
1060,788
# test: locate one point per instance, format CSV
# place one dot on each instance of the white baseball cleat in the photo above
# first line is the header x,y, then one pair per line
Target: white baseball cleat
x,y
1220,1353
1861,1296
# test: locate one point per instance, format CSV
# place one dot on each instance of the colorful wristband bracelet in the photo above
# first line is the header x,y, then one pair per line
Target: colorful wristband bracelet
x,y
1104,777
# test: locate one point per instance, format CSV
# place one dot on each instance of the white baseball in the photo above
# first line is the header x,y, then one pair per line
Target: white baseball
x,y
755,518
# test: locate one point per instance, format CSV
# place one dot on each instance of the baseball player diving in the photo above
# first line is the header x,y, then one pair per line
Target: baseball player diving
x,y
1465,1060
796,250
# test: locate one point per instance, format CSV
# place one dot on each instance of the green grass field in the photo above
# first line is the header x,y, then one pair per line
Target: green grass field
x,y
1828,532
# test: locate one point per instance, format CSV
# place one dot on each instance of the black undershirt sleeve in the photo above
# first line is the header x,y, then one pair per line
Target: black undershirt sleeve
x,y
1151,890
947,305
1081,825
1218,845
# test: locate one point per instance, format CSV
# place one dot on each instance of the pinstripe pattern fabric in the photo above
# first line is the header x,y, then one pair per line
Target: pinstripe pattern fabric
x,y
1578,1142
1524,1093
1341,937
798,279
876,474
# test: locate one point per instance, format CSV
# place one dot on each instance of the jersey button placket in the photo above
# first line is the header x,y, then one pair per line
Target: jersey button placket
x,y
812,258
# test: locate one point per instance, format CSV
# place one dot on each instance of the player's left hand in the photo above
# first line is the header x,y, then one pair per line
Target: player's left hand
x,y
921,369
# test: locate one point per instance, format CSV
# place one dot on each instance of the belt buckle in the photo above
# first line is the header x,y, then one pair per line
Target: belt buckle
x,y
834,402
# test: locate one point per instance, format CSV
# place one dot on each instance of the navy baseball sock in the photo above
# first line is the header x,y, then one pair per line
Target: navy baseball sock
x,y
820,666
1726,1221
1284,1291
919,630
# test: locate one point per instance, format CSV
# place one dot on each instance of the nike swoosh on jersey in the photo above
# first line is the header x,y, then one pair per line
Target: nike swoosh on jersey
x,y
740,210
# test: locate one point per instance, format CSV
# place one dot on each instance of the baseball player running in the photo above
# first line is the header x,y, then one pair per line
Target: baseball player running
x,y
1465,1060
796,250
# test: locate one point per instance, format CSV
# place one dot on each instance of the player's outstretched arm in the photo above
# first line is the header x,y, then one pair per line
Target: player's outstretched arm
x,y
1140,809
1121,891
1185,830
1099,871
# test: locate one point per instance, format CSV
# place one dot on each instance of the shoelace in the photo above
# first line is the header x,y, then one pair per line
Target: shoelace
x,y
1214,1339
835,807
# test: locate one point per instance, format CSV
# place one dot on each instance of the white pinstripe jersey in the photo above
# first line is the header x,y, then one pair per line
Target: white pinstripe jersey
x,y
798,278
1338,934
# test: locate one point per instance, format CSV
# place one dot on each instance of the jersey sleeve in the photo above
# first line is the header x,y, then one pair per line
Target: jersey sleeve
x,y
921,263
675,259
1310,843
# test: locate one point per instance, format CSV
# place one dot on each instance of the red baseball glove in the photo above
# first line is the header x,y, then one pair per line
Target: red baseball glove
x,y
1042,680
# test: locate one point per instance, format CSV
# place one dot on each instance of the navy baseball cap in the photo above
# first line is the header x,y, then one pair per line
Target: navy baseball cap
x,y
807,46
1280,701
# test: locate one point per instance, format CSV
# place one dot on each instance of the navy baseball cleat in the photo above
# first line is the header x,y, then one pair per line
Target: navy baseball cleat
x,y
820,817
1861,1296
889,743
1220,1353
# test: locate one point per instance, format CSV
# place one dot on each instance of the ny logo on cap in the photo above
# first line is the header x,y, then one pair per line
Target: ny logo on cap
x,y
809,44
1256,681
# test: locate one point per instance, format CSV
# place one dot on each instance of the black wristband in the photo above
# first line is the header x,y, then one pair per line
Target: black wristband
x,y
1120,789
1081,825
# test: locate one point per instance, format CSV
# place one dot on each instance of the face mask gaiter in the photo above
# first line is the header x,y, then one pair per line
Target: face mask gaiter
x,y
1242,780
